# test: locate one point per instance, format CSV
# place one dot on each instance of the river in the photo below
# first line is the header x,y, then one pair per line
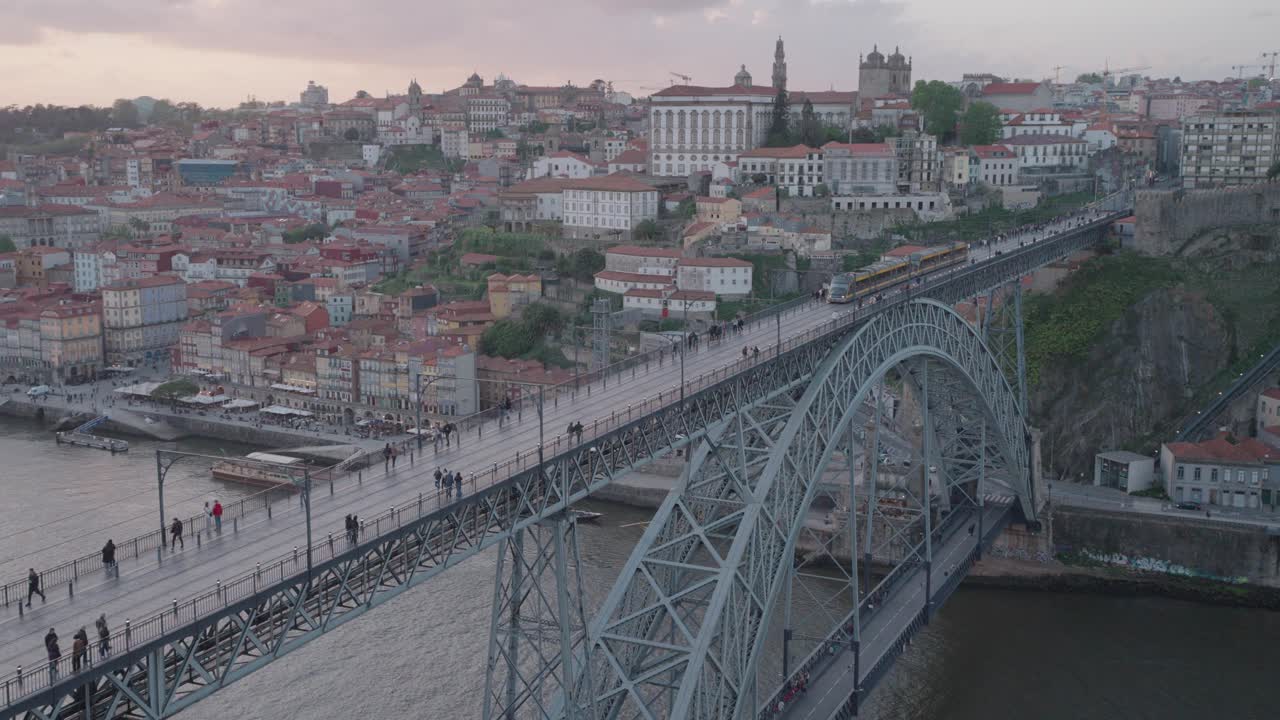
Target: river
x,y
989,654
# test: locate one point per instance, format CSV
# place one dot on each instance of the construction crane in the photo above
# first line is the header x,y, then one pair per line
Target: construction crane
x,y
1272,73
1057,73
687,80
1239,70
1119,71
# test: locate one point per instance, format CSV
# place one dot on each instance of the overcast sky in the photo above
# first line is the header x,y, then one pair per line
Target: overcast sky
x,y
217,52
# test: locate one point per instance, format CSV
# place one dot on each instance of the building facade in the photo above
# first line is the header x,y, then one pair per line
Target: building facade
x,y
1234,147
141,319
607,206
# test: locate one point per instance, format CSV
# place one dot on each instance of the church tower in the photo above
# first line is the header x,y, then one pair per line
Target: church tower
x,y
779,67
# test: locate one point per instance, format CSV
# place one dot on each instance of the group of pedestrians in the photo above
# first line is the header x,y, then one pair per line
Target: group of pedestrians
x,y
450,482
79,646
389,456
352,523
753,352
574,431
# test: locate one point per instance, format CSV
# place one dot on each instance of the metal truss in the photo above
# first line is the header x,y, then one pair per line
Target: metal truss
x,y
177,662
1002,329
538,621
681,632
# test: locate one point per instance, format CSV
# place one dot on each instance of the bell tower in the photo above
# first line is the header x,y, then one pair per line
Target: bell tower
x,y
779,67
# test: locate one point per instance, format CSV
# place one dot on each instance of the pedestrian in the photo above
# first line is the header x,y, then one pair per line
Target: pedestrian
x,y
437,477
755,351
55,653
208,514
448,486
355,529
386,457
744,353
79,648
217,515
33,586
109,558
394,456
457,482
346,526
104,636
175,529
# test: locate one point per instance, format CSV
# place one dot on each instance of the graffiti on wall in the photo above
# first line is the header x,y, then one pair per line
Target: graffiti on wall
x,y
1156,565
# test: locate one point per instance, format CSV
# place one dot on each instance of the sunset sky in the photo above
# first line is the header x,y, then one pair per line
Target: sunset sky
x,y
217,52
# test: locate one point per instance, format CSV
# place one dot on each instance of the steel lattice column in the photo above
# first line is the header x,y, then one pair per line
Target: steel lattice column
x,y
537,622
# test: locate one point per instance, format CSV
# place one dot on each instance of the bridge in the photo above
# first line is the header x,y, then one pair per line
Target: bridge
x,y
682,632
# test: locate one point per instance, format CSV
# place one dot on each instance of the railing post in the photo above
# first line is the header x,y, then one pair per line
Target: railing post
x,y
71,592
218,589
175,607
128,634
235,524
268,511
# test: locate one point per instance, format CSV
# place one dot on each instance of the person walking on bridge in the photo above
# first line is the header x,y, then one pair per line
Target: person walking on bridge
x,y
33,586
175,529
79,649
104,636
217,516
109,559
457,482
437,477
386,458
54,652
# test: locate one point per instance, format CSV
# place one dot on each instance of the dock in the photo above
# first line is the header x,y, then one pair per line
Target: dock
x,y
81,436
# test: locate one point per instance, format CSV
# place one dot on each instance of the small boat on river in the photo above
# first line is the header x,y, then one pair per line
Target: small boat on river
x,y
261,469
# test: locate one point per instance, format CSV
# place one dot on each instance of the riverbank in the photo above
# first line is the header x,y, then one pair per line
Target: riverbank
x,y
1057,577
159,424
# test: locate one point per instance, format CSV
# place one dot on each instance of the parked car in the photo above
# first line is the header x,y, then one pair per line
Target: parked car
x,y
1188,505
39,391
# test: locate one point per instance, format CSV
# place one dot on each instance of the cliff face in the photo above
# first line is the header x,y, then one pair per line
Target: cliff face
x,y
1135,381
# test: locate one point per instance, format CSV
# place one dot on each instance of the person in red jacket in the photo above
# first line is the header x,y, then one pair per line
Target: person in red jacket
x,y
217,516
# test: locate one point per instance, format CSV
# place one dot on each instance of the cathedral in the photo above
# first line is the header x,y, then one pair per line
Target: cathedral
x,y
879,76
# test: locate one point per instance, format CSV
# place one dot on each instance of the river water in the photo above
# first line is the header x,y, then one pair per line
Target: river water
x,y
989,654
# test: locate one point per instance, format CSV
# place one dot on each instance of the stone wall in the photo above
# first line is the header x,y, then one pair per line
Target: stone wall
x,y
1168,220
1182,546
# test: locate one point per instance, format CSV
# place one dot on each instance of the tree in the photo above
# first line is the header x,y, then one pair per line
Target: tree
x,y
139,225
940,105
647,230
543,319
811,131
980,124
586,263
362,94
495,134
507,338
687,209
351,134
314,231
1092,78
181,387
821,190
124,113
6,244
759,178
780,124
1274,171
163,112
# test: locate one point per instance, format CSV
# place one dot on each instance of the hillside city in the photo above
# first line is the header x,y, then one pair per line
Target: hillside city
x,y
361,265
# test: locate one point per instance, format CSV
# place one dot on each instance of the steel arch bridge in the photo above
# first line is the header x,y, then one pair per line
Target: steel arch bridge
x,y
682,632
744,407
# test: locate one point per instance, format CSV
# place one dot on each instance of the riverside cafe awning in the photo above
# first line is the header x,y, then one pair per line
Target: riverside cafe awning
x,y
239,404
143,388
204,399
282,411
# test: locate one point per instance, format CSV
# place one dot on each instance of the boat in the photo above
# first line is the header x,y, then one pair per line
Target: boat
x,y
586,515
261,469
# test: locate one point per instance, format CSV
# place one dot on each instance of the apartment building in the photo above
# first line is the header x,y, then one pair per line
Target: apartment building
x,y
1234,147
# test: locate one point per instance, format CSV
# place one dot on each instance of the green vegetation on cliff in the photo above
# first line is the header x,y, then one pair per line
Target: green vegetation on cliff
x,y
1064,326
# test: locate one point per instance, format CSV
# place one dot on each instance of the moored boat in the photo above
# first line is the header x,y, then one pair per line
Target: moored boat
x,y
261,469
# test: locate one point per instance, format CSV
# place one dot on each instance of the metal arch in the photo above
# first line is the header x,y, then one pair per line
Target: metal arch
x,y
655,651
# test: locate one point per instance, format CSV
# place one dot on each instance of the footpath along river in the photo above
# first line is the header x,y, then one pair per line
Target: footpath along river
x,y
989,654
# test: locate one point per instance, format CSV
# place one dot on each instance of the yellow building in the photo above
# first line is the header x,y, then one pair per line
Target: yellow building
x,y
71,341
718,210
509,292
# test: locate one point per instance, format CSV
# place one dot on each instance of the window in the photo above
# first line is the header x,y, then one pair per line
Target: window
x,y
1213,475
1196,476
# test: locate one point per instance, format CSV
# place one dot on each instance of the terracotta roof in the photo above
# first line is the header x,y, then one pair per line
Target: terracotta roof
x,y
795,151
1273,393
700,91
863,149
617,182
643,251
632,277
629,157
992,151
714,262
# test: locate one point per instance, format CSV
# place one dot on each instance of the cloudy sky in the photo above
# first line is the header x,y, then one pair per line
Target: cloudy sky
x,y
217,52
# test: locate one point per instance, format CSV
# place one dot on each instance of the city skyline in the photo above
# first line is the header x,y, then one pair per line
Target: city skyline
x,y
213,51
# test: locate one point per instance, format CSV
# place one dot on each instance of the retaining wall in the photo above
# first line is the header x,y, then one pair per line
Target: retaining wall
x,y
1167,220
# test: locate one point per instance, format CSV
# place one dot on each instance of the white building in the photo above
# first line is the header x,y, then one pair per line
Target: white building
x,y
691,127
608,205
1037,122
87,269
454,143
644,260
721,276
860,168
487,112
677,303
997,165
562,164
615,281
1048,151
1099,137
797,169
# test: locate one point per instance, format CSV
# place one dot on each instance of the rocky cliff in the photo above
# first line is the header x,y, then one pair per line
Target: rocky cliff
x,y
1137,379
1129,346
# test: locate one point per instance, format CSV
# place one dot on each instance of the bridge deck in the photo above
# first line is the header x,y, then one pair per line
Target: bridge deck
x,y
149,584
832,685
